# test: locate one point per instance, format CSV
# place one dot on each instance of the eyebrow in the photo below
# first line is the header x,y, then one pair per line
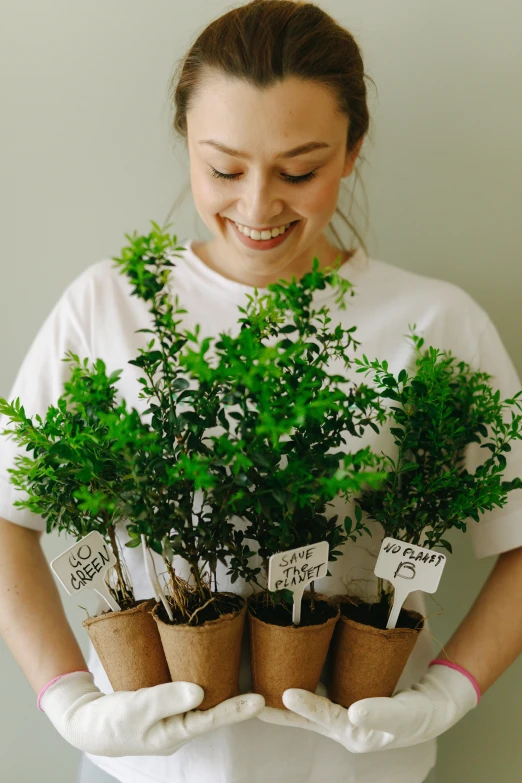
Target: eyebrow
x,y
302,149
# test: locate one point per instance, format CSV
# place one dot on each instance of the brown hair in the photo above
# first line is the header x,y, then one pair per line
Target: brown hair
x,y
263,42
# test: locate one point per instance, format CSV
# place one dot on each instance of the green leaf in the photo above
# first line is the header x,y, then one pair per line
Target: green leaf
x,y
419,387
406,466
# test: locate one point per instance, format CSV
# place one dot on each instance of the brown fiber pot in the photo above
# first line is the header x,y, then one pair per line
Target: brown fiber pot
x,y
287,656
368,661
207,654
129,647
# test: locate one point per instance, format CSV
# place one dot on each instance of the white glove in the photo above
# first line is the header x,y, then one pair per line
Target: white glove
x,y
149,722
419,713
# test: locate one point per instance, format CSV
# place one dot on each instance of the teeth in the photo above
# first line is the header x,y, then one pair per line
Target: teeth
x,y
260,235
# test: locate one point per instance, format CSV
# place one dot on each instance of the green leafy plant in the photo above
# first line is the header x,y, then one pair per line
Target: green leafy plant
x,y
290,413
441,408
190,458
74,478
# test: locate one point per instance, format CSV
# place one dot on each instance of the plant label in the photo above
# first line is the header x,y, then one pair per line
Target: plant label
x,y
294,569
84,565
150,570
408,567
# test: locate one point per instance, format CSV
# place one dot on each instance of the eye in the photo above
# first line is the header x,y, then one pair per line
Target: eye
x,y
287,177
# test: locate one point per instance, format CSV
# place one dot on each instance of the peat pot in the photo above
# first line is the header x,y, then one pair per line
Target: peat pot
x,y
366,660
129,647
287,656
207,654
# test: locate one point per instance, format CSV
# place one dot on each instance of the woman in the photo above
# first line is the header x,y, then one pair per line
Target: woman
x,y
271,101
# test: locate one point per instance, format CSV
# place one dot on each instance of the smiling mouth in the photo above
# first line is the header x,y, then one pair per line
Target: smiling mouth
x,y
284,226
263,240
266,228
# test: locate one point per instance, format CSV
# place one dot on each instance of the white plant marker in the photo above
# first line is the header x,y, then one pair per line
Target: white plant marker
x,y
84,565
294,569
408,567
153,578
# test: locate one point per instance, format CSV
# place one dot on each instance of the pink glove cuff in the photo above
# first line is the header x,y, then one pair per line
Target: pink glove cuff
x,y
53,681
458,668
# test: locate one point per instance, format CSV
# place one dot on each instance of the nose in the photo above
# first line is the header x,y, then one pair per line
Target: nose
x,y
260,204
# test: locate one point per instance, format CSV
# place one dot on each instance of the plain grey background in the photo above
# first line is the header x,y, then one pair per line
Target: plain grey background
x,y
87,155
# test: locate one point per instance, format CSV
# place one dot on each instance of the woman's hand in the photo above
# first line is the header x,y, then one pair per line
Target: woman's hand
x,y
153,721
419,713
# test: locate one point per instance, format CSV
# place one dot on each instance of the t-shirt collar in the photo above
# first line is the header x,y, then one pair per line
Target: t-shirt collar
x,y
233,291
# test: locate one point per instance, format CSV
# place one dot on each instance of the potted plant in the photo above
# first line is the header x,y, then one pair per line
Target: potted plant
x,y
201,628
74,481
438,411
290,413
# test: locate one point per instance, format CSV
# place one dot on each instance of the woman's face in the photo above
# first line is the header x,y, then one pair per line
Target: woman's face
x,y
259,194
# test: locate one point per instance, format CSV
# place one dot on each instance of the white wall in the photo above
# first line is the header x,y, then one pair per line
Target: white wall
x,y
87,155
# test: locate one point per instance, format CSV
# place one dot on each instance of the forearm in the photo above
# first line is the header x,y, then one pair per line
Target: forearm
x,y
32,619
489,638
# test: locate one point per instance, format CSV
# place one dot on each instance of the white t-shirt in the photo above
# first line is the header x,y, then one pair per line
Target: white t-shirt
x,y
97,316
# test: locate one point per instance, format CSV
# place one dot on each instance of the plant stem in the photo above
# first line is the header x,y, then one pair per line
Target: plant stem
x,y
114,546
202,589
380,589
312,596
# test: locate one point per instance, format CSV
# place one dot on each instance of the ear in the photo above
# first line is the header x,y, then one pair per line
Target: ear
x,y
351,158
